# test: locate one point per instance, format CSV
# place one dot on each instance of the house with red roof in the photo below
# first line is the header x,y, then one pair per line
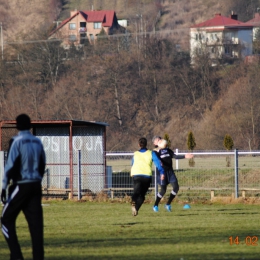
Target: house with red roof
x,y
85,25
221,37
256,24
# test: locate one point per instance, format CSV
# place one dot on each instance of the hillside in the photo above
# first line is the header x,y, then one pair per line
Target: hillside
x,y
24,18
138,86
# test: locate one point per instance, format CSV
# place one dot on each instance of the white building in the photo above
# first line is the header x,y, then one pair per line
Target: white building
x,y
221,37
256,24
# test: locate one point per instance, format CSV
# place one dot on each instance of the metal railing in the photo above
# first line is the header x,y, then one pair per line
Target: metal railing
x,y
213,173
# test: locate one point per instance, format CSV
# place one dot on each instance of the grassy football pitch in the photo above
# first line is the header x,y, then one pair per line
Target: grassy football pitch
x,y
99,231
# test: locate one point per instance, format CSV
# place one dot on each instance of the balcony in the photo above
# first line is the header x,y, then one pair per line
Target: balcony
x,y
82,30
230,40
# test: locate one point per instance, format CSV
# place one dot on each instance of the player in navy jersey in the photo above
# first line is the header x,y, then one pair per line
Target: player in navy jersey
x,y
165,154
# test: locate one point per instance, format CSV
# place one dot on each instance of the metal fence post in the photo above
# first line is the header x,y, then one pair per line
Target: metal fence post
x,y
79,174
177,161
48,178
2,162
236,174
155,183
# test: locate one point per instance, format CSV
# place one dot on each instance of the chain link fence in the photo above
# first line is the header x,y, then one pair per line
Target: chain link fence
x,y
211,173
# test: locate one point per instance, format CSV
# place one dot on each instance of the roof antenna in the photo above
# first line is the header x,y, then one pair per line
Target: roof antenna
x,y
92,8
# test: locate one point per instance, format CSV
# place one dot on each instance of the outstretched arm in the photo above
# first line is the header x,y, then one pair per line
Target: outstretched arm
x,y
178,156
189,155
157,162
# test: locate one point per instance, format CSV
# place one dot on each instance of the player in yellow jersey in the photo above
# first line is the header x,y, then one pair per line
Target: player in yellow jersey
x,y
141,172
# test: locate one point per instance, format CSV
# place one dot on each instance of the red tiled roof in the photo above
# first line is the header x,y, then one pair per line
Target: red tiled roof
x,y
221,21
106,17
255,20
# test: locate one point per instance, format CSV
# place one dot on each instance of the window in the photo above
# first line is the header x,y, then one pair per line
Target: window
x,y
198,51
72,26
228,51
72,38
97,25
213,36
82,24
82,27
83,38
199,36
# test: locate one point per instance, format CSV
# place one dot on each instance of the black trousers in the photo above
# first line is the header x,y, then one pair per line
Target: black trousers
x,y
27,198
141,186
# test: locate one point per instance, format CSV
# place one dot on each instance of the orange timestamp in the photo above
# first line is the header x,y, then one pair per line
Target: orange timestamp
x,y
249,240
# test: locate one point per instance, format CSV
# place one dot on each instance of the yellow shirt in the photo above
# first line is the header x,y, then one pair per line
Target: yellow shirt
x,y
142,163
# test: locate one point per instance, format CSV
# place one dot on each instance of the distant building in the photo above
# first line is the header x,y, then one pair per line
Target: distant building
x,y
62,140
85,25
256,25
123,22
221,37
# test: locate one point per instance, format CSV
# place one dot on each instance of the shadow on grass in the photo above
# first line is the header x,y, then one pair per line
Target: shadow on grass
x,y
69,248
230,209
230,212
186,215
127,224
166,256
195,238
176,250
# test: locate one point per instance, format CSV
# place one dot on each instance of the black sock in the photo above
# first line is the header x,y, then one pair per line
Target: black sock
x,y
170,199
157,201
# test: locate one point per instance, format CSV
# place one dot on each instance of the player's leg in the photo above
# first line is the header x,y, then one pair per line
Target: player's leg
x,y
8,218
159,197
144,188
34,216
163,184
175,189
136,194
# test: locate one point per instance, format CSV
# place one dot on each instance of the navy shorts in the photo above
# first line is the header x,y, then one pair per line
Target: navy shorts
x,y
169,177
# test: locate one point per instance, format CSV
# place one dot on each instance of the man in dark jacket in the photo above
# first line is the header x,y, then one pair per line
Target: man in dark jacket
x,y
24,171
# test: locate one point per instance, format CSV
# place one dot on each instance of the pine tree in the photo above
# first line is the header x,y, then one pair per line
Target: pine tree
x,y
191,143
228,144
167,138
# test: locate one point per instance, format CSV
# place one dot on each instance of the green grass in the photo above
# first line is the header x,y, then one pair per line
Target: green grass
x,y
87,230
